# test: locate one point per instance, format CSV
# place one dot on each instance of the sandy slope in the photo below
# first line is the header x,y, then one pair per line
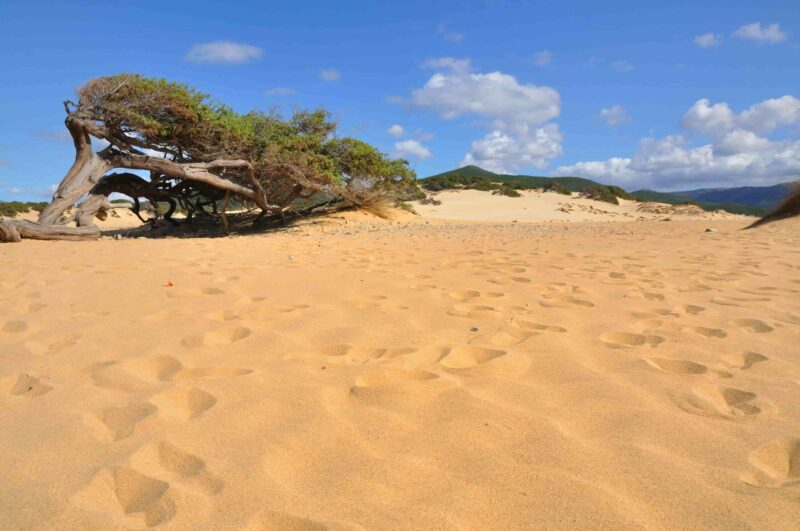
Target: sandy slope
x,y
365,375
474,205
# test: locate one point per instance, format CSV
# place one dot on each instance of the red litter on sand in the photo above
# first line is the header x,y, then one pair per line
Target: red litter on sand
x,y
169,284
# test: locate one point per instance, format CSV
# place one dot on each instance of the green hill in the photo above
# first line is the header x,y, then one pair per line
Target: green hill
x,y
475,178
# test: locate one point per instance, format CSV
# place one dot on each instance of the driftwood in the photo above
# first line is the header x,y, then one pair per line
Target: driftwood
x,y
14,230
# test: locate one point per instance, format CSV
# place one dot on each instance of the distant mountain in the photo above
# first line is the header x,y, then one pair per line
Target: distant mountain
x,y
759,196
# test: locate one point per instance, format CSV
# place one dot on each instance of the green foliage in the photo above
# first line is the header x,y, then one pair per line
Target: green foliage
x,y
12,208
402,205
507,190
135,112
677,199
601,193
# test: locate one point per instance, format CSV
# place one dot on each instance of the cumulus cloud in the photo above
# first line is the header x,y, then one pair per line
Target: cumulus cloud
x,y
396,131
448,34
762,118
517,113
456,91
622,66
771,34
615,115
543,58
735,153
707,40
501,151
330,74
280,91
224,52
412,148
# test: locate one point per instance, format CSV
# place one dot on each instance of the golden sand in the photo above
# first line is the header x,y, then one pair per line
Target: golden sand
x,y
357,374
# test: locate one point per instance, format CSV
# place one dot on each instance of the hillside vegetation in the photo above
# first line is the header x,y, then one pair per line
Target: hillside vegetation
x,y
475,178
12,208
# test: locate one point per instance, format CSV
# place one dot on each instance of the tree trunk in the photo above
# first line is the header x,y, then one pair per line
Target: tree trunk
x,y
13,230
87,169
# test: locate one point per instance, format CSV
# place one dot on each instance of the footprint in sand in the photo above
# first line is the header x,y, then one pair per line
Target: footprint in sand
x,y
690,309
348,355
465,357
118,423
129,492
27,385
744,360
686,367
184,404
147,373
626,339
221,337
715,333
393,376
15,327
475,311
775,464
274,521
469,295
722,401
753,325
167,462
138,493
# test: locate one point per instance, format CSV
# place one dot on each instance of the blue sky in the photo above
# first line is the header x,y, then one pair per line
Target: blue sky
x,y
670,96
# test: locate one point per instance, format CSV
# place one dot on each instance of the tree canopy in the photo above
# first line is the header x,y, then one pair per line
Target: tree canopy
x,y
197,148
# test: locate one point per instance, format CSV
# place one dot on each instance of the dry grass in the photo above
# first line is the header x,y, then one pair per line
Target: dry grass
x,y
377,206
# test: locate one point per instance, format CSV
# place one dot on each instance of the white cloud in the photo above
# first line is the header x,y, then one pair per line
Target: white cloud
x,y
516,113
456,91
330,74
771,34
615,115
622,66
280,91
503,152
762,118
448,34
736,154
16,191
224,52
707,40
704,118
770,114
543,58
396,131
412,148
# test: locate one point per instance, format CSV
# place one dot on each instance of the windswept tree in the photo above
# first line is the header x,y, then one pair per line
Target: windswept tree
x,y
194,150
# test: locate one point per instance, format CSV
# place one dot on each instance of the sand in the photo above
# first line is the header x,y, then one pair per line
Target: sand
x,y
361,374
474,205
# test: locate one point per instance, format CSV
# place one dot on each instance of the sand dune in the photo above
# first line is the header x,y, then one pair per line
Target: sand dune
x,y
360,374
474,205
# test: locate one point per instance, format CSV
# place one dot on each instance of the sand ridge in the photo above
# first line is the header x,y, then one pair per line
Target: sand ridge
x,y
358,374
